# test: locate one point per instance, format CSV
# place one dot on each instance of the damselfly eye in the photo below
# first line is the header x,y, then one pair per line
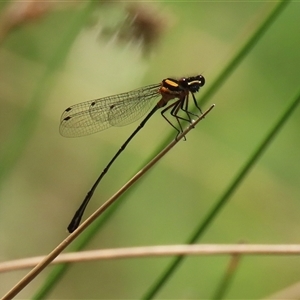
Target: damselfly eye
x,y
201,80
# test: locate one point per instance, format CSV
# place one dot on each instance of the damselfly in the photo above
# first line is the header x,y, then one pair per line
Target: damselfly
x,y
96,115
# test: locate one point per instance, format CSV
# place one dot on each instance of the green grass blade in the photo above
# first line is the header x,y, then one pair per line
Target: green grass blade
x,y
266,22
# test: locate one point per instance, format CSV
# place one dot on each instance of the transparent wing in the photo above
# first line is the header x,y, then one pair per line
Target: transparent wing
x,y
131,107
99,114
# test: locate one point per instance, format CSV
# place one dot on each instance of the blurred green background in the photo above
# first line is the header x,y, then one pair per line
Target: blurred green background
x,y
44,176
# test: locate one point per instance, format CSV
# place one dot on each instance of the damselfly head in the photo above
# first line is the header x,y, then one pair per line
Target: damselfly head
x,y
192,84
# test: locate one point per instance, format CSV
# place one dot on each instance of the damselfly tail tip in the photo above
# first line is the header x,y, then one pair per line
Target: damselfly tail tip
x,y
73,224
